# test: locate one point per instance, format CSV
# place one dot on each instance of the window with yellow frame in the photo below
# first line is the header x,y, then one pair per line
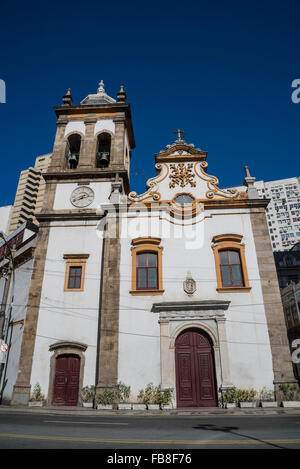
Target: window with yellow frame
x,y
146,266
230,263
75,271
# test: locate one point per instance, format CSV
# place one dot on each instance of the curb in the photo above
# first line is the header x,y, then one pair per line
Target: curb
x,y
174,412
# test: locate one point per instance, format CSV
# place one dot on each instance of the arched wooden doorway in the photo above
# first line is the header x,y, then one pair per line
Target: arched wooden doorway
x,y
195,370
66,380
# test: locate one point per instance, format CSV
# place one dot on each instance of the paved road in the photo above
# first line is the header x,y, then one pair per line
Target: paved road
x,y
49,431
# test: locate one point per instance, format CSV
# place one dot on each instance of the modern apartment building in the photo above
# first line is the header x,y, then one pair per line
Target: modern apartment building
x,y
283,211
30,193
290,296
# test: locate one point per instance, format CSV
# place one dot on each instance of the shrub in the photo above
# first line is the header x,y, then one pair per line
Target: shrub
x,y
289,391
37,393
266,395
230,395
163,396
122,392
147,395
155,395
245,395
106,397
88,393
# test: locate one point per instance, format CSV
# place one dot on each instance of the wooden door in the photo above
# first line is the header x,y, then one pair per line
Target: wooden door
x,y
195,373
66,381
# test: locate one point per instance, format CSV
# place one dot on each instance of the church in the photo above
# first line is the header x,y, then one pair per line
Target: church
x,y
176,286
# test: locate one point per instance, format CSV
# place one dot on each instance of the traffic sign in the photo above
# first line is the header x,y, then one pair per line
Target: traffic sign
x,y
3,347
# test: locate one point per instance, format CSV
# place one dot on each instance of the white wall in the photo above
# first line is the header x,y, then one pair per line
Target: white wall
x,y
68,316
63,193
104,124
247,334
21,292
75,126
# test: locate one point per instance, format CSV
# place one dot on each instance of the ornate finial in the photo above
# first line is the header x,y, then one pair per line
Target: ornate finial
x,y
121,96
179,132
247,172
67,98
249,182
101,87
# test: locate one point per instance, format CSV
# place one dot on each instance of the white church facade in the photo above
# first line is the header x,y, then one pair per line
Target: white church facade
x,y
176,286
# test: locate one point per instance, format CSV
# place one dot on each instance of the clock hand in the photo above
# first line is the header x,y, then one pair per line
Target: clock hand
x,y
80,197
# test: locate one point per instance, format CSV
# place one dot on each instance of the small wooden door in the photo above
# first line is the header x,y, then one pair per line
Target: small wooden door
x,y
195,373
66,381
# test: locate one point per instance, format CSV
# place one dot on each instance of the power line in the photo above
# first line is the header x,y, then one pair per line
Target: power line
x,y
149,336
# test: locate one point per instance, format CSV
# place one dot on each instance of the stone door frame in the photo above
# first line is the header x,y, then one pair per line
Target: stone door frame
x,y
65,348
199,345
208,316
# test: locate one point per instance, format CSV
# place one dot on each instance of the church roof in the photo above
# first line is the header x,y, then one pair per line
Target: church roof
x,y
101,97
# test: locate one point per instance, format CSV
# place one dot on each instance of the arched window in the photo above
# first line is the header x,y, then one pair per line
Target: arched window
x,y
230,263
103,150
73,151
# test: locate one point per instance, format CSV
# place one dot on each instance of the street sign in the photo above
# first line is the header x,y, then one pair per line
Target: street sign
x,y
3,351
3,347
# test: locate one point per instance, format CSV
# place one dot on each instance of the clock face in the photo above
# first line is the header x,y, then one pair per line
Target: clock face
x,y
82,196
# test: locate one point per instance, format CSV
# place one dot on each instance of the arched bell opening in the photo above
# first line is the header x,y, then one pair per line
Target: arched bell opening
x,y
73,151
103,150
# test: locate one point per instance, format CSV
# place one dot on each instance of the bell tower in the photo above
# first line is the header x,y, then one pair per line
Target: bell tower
x,y
90,166
93,141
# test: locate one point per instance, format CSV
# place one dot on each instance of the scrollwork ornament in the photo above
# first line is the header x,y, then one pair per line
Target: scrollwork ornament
x,y
181,175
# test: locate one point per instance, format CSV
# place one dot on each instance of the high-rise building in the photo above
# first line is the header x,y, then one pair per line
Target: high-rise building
x,y
30,193
283,211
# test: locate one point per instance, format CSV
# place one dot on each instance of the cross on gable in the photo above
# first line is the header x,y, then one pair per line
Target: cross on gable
x,y
179,132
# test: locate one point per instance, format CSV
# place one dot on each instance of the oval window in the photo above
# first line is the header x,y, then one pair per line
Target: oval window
x,y
184,199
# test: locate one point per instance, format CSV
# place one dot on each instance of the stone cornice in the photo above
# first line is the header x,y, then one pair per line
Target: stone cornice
x,y
65,344
88,174
234,203
209,204
63,215
204,305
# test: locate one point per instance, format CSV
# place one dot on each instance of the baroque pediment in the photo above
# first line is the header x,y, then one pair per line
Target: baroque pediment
x,y
184,177
181,169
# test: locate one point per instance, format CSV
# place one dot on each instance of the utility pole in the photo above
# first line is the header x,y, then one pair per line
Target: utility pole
x,y
4,326
7,277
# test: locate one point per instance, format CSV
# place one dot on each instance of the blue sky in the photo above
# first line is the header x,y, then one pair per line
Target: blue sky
x,y
220,70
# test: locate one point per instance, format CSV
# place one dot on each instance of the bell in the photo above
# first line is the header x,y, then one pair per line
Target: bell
x,y
103,157
72,156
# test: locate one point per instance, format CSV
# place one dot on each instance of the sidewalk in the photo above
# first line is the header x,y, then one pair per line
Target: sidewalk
x,y
201,411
